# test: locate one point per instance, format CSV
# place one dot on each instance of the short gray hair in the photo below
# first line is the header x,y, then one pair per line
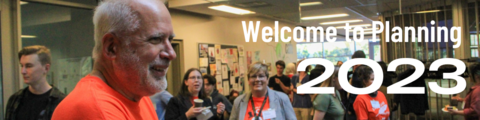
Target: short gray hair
x,y
113,16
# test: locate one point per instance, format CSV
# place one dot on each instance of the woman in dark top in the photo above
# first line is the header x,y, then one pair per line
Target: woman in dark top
x,y
181,107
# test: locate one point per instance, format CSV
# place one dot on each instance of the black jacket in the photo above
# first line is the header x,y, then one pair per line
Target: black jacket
x,y
412,103
179,105
15,100
217,98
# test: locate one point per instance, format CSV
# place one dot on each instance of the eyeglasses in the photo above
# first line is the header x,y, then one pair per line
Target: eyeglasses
x,y
258,76
195,77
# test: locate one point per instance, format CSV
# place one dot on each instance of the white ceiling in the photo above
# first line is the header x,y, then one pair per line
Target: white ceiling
x,y
289,10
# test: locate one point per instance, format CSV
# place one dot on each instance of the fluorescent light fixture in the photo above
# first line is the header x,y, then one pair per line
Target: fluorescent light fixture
x,y
229,9
324,16
428,11
29,36
364,33
216,0
341,22
310,4
359,25
23,2
366,29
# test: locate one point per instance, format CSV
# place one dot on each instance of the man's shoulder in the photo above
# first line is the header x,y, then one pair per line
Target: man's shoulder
x,y
19,92
90,105
88,94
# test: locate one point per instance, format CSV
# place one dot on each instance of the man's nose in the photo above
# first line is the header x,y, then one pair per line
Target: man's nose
x,y
168,52
24,70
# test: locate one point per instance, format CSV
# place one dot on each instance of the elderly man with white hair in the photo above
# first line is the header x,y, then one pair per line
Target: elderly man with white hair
x,y
131,56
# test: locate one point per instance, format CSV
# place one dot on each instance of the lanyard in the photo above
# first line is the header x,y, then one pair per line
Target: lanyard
x,y
340,100
261,108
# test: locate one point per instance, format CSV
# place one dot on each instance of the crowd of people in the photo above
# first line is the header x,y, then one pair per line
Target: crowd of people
x,y
132,53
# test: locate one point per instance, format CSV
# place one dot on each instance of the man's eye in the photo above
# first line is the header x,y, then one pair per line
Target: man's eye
x,y
155,40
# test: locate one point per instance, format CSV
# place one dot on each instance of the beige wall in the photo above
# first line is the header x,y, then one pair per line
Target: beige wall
x,y
196,28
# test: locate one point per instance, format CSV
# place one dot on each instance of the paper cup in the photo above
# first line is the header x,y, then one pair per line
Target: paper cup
x,y
198,102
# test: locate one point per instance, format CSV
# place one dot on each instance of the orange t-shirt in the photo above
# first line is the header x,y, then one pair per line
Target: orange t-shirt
x,y
93,99
191,100
368,108
258,103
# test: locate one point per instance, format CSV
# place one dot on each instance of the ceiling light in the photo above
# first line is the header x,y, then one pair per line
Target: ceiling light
x,y
230,9
23,3
359,25
364,33
428,11
216,0
341,22
310,4
29,36
366,29
324,16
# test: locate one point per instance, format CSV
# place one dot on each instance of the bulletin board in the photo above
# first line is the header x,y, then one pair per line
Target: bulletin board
x,y
226,63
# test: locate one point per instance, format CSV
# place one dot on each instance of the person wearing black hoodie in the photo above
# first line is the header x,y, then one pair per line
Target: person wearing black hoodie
x,y
224,106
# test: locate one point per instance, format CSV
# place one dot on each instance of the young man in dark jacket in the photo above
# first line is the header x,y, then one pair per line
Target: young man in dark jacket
x,y
39,99
216,97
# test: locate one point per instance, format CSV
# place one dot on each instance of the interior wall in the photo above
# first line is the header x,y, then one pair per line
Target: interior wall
x,y
195,28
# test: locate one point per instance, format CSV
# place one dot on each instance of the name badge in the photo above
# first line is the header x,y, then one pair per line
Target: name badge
x,y
269,114
375,104
206,114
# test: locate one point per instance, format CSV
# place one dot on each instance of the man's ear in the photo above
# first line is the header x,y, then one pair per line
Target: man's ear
x,y
47,68
110,44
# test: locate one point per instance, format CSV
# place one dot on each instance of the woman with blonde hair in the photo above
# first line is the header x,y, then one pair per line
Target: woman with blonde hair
x,y
261,103
329,106
290,70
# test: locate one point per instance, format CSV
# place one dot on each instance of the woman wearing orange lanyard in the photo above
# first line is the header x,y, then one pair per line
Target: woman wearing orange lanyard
x,y
182,106
261,103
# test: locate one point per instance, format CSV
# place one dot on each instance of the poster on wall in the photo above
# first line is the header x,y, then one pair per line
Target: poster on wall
x,y
257,56
232,80
235,55
235,69
241,67
241,51
224,71
289,48
249,58
213,69
211,55
218,77
217,50
226,88
219,67
203,49
203,62
220,87
224,54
